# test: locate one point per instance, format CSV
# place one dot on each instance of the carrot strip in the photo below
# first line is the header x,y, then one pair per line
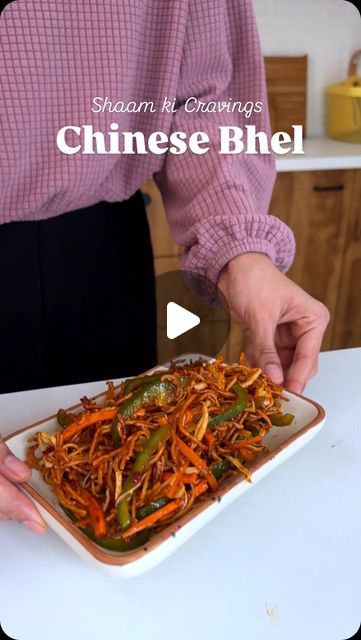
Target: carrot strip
x,y
194,458
87,420
200,489
174,484
209,439
96,513
182,415
188,416
247,455
243,444
190,478
162,513
149,521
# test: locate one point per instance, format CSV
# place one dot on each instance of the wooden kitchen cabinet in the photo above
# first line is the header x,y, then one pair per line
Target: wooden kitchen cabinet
x,y
316,206
323,208
347,319
162,241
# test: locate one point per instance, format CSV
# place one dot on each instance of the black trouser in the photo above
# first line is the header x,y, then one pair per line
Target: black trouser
x,y
77,300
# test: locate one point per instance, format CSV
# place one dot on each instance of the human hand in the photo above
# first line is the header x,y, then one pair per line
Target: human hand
x,y
285,325
13,504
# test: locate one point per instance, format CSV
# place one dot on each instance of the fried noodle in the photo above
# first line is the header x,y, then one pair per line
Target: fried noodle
x,y
166,453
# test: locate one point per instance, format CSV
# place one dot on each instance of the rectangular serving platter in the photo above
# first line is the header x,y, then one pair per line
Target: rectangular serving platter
x,y
282,442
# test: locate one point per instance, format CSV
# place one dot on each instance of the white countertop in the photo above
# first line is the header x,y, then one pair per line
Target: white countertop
x,y
281,563
320,154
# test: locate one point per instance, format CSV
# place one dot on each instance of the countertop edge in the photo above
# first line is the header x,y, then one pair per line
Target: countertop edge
x,y
322,154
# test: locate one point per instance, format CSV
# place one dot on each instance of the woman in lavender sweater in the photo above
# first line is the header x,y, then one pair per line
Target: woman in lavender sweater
x,y
75,254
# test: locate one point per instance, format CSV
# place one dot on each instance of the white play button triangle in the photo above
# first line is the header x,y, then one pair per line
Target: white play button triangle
x,y
179,320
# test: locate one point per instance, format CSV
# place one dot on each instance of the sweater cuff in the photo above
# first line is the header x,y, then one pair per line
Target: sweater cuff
x,y
223,237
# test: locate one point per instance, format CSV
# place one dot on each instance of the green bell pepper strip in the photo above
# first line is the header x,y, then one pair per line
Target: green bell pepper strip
x,y
148,509
158,391
158,437
134,383
63,418
218,469
113,544
235,409
281,420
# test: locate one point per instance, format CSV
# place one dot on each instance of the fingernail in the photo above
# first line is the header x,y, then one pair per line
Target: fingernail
x,y
274,372
17,467
34,526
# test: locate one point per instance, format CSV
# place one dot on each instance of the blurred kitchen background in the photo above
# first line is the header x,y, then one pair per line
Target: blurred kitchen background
x,y
327,31
307,48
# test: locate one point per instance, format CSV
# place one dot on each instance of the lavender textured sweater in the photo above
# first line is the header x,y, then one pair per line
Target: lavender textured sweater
x,y
57,55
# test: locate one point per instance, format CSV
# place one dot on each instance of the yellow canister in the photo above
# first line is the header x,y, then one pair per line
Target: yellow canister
x,y
344,106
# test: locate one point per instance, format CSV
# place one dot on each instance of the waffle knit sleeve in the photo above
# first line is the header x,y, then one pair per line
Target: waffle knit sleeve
x,y
217,205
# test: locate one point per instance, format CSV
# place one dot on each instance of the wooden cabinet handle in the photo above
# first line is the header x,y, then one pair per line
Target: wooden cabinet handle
x,y
336,187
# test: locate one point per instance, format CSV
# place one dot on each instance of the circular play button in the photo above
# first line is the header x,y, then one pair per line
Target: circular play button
x,y
179,320
192,315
